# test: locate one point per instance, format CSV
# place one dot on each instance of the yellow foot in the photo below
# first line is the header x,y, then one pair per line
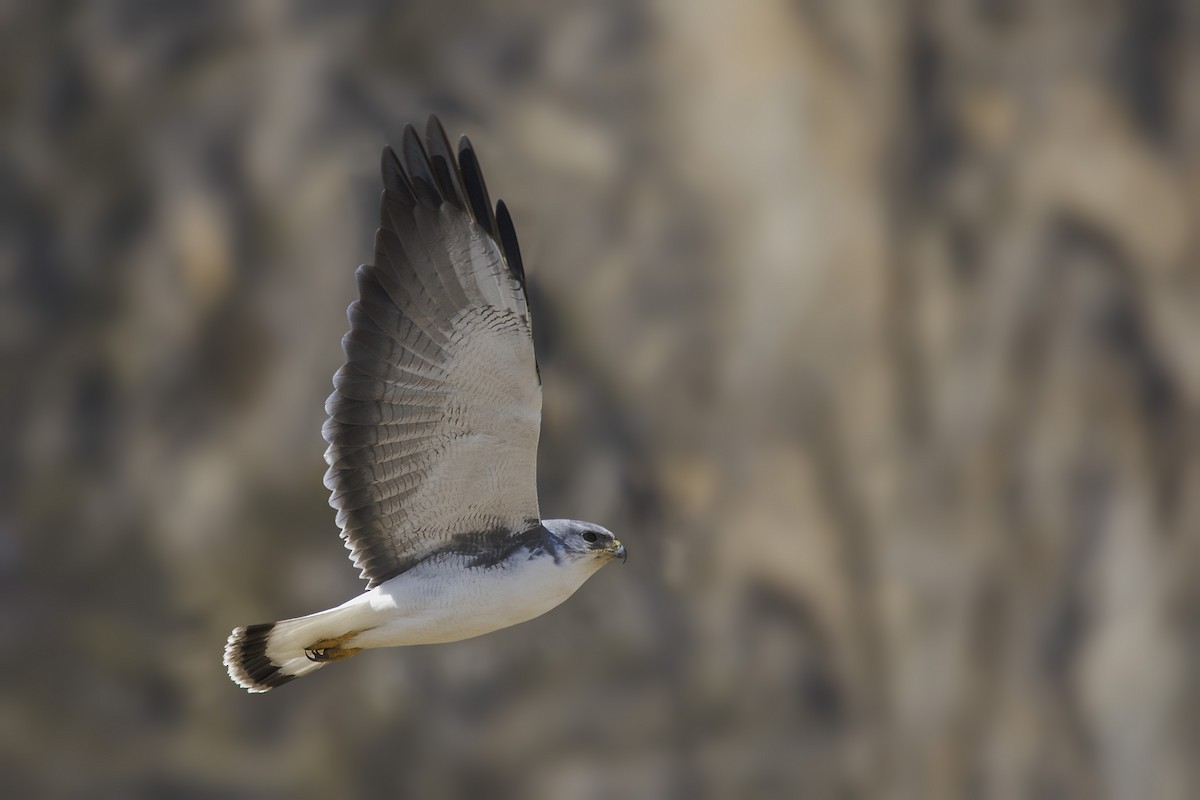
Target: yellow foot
x,y
325,650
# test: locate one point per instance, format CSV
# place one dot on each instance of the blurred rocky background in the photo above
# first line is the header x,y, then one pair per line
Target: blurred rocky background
x,y
872,328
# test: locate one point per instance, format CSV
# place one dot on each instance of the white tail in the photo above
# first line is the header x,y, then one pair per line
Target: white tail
x,y
261,657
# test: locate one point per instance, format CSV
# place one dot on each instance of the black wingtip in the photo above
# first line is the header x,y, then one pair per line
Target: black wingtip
x,y
429,173
508,242
416,164
476,187
441,159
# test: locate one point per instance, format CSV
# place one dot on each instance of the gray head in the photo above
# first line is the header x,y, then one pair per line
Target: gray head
x,y
585,539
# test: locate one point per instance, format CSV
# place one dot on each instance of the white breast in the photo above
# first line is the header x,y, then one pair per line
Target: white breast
x,y
445,602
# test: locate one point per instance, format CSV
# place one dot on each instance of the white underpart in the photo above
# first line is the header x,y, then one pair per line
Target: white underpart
x,y
437,602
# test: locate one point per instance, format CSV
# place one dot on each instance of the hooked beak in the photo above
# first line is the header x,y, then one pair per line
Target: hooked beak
x,y
618,550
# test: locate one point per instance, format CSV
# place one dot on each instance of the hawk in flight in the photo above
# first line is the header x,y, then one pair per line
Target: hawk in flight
x,y
433,431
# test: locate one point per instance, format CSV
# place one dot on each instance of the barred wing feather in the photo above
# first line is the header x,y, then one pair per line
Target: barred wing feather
x,y
433,422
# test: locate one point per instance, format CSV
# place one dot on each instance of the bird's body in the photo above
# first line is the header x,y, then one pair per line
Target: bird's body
x,y
425,604
422,606
432,433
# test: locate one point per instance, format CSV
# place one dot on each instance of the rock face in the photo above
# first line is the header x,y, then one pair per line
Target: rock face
x,y
875,335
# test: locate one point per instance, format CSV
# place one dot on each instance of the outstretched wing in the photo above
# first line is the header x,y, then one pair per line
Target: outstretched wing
x,y
433,423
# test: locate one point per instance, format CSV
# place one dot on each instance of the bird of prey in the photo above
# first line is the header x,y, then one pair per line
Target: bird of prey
x,y
433,432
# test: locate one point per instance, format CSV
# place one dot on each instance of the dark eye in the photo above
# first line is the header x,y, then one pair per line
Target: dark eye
x,y
589,537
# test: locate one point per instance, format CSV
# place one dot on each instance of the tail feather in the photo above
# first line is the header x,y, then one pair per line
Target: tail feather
x,y
261,657
247,661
